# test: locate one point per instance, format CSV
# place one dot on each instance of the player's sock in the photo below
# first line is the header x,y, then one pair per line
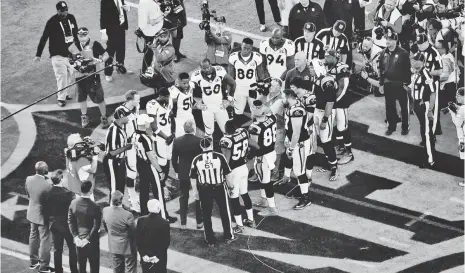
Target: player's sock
x,y
250,214
347,140
287,172
269,190
236,206
271,202
303,183
309,165
262,191
247,201
330,153
339,138
238,219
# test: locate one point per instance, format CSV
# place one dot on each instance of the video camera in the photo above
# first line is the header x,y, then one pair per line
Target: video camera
x,y
262,87
86,148
452,106
171,5
81,64
206,16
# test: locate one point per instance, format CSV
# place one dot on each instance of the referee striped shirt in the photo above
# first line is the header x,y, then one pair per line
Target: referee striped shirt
x,y
312,50
115,139
143,144
339,43
433,60
210,168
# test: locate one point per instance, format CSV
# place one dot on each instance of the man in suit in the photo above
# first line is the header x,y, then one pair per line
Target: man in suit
x,y
185,148
113,26
39,236
153,239
84,219
56,204
120,226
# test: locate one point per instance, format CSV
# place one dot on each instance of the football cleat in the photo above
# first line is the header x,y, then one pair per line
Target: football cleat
x,y
230,240
238,230
172,219
303,202
34,265
334,174
263,203
250,223
269,212
347,158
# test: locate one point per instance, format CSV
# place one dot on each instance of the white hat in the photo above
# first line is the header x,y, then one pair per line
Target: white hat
x,y
143,119
154,206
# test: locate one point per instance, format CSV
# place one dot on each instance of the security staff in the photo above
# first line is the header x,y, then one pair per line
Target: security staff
x,y
424,100
209,169
116,145
150,172
303,12
394,79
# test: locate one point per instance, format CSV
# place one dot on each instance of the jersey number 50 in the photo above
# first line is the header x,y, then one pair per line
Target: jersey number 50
x,y
269,136
208,90
240,149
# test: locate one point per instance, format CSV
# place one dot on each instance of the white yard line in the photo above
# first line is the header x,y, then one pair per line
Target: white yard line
x,y
413,221
394,242
457,200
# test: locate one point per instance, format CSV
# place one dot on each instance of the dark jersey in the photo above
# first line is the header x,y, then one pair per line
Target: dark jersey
x,y
309,103
296,111
339,72
266,132
238,144
325,89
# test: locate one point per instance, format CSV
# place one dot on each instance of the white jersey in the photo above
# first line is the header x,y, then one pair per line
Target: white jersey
x,y
182,101
277,59
246,69
209,89
162,115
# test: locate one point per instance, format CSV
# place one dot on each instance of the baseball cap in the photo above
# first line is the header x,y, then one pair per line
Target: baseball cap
x,y
289,92
143,119
221,19
421,38
257,103
309,26
419,57
121,112
206,142
62,6
163,31
332,52
83,31
390,34
340,26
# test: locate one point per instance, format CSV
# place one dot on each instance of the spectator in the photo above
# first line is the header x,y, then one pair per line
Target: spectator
x,y
303,12
120,226
88,84
261,12
150,21
113,26
39,237
218,43
80,169
185,148
285,7
178,18
61,28
56,204
394,81
153,239
84,219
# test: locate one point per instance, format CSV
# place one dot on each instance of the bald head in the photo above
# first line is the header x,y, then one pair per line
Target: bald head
x,y
300,59
189,126
154,206
41,168
277,36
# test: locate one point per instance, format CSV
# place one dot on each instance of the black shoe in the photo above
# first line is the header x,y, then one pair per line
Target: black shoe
x,y
250,223
176,59
438,132
61,103
303,202
405,132
347,158
334,174
422,143
210,244
172,219
47,270
389,132
34,265
426,165
181,56
68,97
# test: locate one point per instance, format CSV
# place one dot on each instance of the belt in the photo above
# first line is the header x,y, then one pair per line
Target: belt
x,y
199,185
108,156
393,82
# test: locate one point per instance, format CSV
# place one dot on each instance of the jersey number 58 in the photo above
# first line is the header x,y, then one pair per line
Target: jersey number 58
x,y
240,149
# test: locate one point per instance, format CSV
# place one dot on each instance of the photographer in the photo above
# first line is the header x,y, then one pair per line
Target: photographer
x,y
150,21
218,43
370,70
81,163
387,16
175,20
86,56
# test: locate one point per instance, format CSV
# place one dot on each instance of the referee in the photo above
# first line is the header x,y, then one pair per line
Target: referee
x,y
150,173
309,44
209,169
116,145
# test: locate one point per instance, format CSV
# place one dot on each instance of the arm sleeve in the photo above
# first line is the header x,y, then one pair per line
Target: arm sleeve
x,y
103,15
43,39
75,29
97,223
72,221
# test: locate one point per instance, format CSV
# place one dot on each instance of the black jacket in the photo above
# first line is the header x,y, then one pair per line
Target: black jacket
x,y
299,15
152,235
84,218
56,35
395,66
56,204
109,15
346,10
185,148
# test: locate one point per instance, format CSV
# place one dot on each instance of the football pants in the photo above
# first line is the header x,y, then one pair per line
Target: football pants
x,y
210,115
342,119
263,165
162,150
326,134
239,177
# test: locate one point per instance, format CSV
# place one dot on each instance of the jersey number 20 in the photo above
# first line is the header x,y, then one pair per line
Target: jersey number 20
x,y
240,149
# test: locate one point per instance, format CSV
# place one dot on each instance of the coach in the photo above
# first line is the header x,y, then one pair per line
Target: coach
x,y
395,77
185,148
61,31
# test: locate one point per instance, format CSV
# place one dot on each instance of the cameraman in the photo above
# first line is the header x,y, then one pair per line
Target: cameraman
x,y
150,21
218,43
387,16
370,71
80,169
175,20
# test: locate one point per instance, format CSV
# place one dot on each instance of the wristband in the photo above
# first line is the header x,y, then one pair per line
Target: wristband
x,y
287,172
324,119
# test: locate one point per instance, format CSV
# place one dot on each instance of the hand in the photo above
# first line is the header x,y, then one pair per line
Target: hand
x,y
289,152
161,174
225,104
169,139
430,115
84,242
364,74
128,146
145,258
323,125
153,259
36,60
381,89
104,37
407,88
77,241
383,23
285,180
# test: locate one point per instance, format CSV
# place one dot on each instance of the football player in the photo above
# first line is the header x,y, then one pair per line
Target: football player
x,y
160,109
246,68
297,137
341,72
181,94
334,38
309,44
279,53
132,105
210,96
263,138
235,146
325,89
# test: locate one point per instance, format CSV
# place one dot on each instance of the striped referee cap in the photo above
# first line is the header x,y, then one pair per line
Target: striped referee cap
x,y
206,143
419,57
121,112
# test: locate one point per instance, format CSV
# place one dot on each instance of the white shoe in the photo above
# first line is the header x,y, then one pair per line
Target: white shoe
x,y
262,28
263,203
109,78
268,212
